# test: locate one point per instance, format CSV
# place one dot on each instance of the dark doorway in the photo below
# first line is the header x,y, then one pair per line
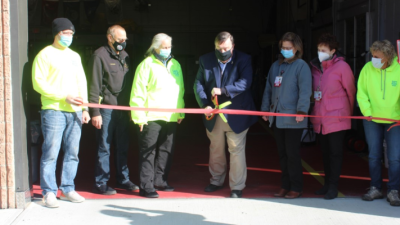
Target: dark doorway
x,y
256,25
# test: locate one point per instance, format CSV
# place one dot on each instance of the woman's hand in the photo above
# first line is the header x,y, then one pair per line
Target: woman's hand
x,y
141,126
299,119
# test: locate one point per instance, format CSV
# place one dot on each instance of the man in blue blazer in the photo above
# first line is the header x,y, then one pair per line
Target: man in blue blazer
x,y
227,74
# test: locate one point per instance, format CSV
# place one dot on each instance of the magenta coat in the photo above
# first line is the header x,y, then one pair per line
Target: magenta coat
x,y
338,94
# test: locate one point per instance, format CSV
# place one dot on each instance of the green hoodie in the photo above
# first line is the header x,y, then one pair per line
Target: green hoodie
x,y
379,92
157,86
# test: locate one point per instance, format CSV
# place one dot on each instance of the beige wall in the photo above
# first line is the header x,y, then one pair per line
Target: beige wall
x,y
7,175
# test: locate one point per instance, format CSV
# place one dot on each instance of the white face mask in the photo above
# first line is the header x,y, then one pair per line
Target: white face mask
x,y
377,62
323,56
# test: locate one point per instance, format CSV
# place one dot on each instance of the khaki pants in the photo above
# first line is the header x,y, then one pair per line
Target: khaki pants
x,y
236,147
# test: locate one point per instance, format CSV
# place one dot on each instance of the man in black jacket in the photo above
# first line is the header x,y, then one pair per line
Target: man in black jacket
x,y
111,85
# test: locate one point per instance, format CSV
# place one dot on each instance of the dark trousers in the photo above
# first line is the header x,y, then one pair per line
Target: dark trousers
x,y
375,133
115,130
332,155
156,148
288,142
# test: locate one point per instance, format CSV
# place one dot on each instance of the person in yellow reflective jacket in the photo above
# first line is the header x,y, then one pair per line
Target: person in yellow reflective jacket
x,y
58,76
158,83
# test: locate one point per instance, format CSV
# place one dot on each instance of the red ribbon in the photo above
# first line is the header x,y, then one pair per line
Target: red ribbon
x,y
233,112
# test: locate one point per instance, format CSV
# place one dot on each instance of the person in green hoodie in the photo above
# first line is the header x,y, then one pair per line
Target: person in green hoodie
x,y
379,96
158,83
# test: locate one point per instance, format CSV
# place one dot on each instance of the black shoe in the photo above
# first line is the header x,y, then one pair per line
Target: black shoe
x,y
212,188
331,194
236,194
322,191
152,194
164,188
129,186
104,189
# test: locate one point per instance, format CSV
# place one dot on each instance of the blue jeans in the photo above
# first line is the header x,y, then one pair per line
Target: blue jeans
x,y
115,130
59,127
375,133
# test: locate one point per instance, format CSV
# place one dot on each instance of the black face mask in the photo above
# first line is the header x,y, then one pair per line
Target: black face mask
x,y
119,46
223,56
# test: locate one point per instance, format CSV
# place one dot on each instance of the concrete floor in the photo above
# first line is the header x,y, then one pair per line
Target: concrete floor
x,y
7,216
208,211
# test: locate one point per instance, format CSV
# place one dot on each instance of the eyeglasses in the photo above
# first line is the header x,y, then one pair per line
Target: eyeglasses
x,y
67,33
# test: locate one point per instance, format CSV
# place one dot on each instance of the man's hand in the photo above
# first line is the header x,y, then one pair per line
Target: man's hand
x,y
74,100
265,118
85,117
216,91
299,119
97,121
179,121
141,127
208,114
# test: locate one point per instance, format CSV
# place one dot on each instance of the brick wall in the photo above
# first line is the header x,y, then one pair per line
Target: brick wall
x,y
7,175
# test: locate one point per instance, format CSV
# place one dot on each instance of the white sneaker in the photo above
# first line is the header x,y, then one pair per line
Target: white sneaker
x,y
72,196
50,200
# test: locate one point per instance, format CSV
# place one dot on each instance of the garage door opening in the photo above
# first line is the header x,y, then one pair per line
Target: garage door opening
x,y
257,27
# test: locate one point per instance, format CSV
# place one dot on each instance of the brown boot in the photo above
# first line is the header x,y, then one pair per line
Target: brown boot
x,y
281,193
293,194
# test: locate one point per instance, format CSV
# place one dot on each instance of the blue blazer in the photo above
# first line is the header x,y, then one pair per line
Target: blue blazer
x,y
235,85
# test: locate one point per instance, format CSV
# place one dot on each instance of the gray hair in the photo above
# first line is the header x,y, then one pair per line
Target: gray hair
x,y
111,30
156,43
223,36
386,48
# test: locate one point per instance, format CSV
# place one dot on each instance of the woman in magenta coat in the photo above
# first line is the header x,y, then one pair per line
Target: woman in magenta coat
x,y
334,93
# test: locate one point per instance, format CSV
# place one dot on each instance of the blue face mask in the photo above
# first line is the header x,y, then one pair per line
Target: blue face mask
x,y
287,53
65,41
165,52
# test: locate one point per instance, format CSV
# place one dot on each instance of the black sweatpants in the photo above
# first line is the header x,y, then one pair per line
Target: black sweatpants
x,y
332,155
156,148
289,142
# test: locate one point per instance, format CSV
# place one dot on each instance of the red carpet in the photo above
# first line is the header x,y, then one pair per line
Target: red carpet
x,y
189,174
